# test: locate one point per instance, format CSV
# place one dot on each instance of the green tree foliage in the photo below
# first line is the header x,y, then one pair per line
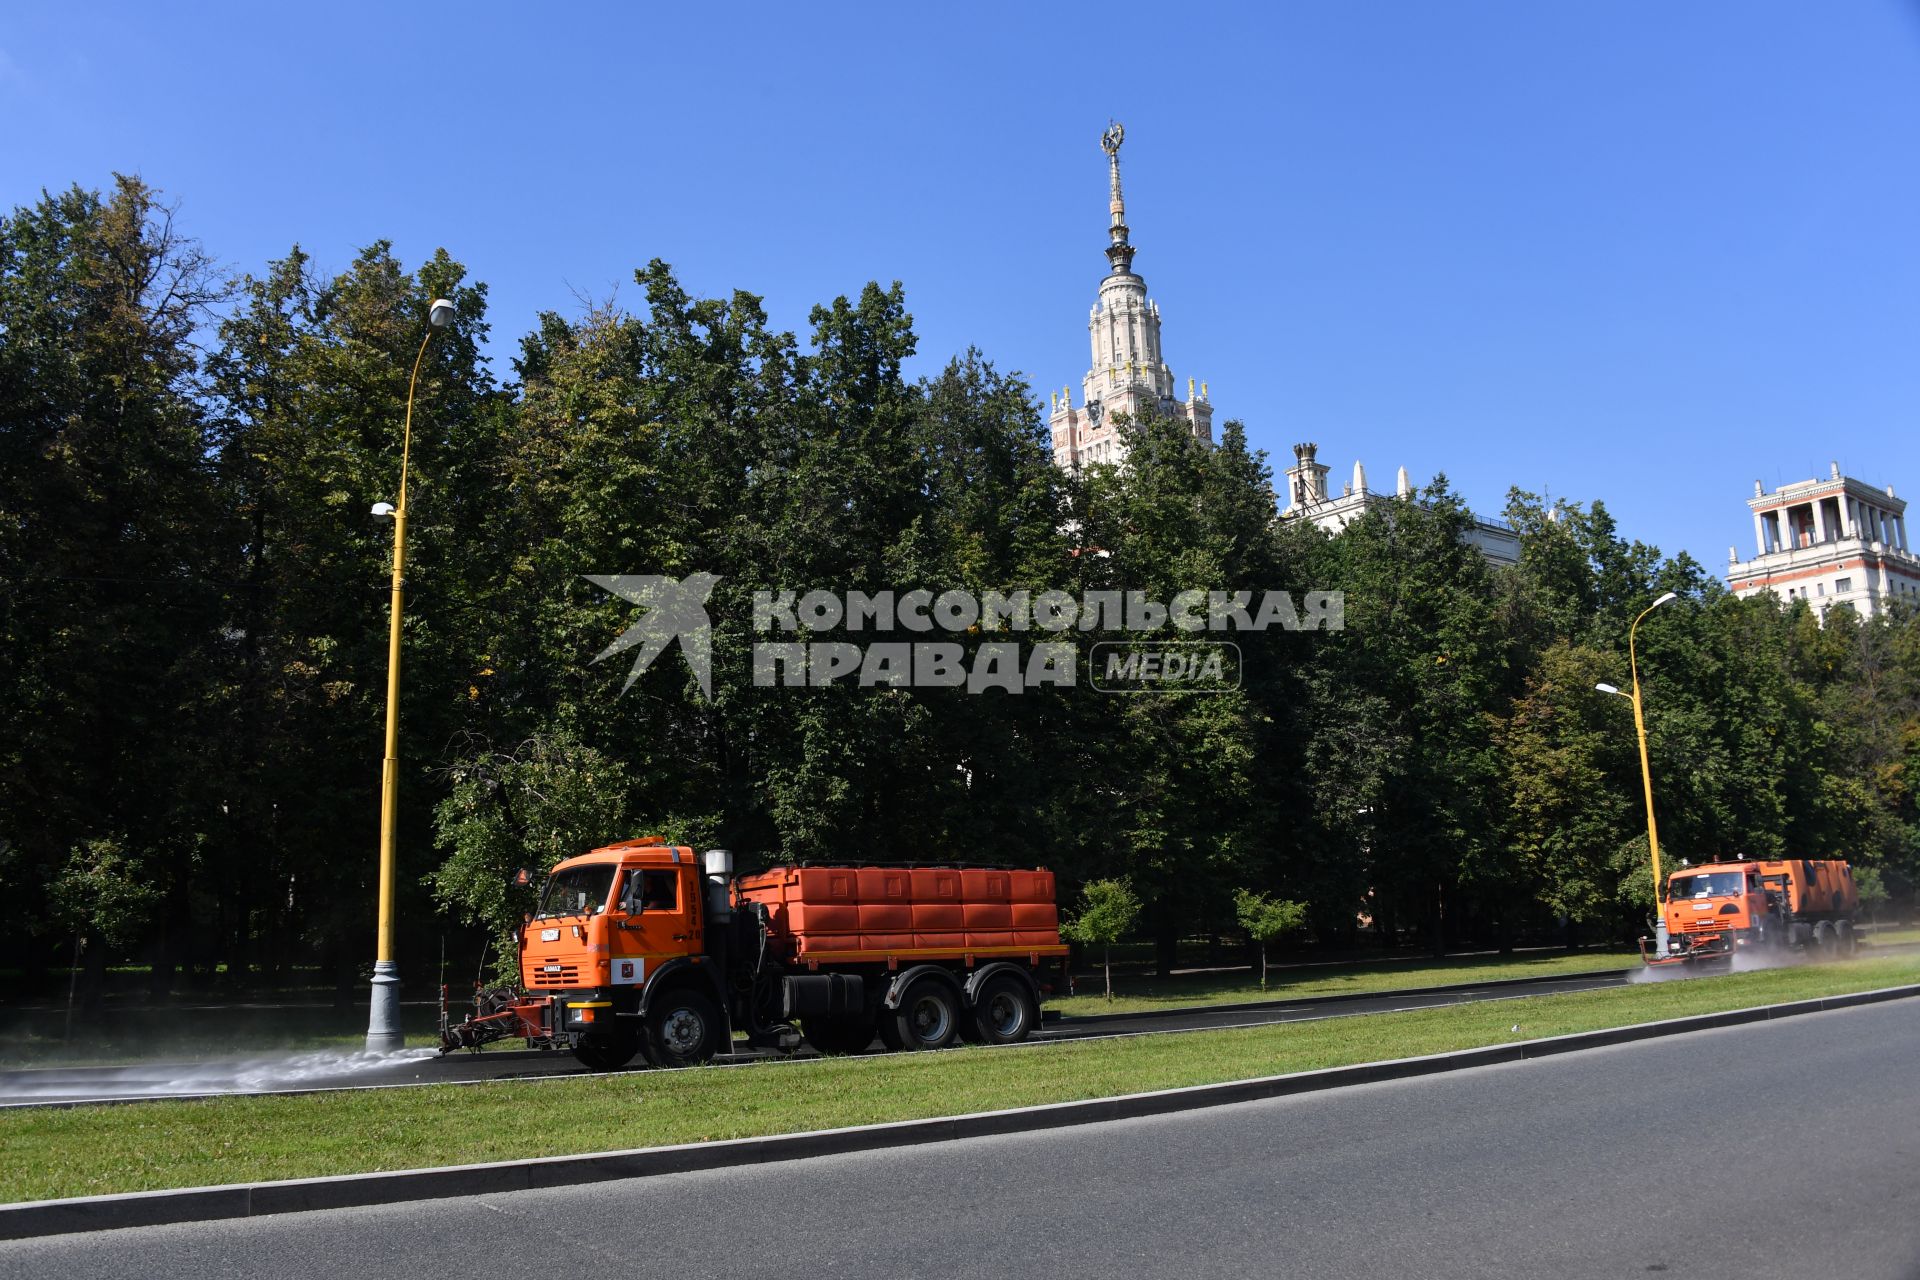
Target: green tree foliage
x,y
110,564
549,799
1108,910
193,613
1266,918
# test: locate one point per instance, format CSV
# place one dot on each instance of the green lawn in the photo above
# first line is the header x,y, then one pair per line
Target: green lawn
x,y
93,1150
1135,994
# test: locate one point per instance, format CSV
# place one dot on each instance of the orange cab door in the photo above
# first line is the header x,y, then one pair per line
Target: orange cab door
x,y
654,922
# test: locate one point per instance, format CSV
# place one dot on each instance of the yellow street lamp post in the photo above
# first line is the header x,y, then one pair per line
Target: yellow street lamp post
x,y
1646,772
383,1019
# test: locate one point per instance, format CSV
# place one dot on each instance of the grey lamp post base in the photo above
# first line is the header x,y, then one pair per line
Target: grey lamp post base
x,y
383,1021
1659,940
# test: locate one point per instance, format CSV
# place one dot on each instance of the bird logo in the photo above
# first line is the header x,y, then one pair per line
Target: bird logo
x,y
673,610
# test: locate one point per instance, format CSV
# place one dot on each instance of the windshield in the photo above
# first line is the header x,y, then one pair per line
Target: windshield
x,y
1706,884
577,891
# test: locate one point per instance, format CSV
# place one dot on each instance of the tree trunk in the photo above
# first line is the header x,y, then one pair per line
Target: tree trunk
x,y
93,986
1106,964
73,981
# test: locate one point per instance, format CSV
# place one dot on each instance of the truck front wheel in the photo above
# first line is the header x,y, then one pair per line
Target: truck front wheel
x,y
605,1053
683,1028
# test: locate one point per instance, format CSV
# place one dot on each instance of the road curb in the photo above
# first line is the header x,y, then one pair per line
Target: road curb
x,y
1251,1006
203,1204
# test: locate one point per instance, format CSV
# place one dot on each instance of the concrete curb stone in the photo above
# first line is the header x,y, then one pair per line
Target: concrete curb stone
x,y
205,1204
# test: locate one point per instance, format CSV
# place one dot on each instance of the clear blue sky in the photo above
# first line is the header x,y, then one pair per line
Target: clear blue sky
x,y
1640,250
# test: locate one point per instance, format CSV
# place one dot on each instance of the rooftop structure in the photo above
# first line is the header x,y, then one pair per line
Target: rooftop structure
x,y
1307,498
1832,541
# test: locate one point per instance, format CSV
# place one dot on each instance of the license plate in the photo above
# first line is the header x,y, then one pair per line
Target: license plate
x,y
549,935
552,968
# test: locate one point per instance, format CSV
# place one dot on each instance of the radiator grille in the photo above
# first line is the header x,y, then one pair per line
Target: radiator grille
x,y
546,975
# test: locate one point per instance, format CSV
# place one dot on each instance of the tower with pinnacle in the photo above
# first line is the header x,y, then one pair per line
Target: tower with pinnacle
x,y
1130,376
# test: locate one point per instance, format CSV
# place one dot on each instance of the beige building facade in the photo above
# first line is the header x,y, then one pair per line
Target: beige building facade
x,y
1129,375
1306,497
1828,542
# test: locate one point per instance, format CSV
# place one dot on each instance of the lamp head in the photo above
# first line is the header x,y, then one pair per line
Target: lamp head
x,y
1606,688
1663,599
440,314
381,510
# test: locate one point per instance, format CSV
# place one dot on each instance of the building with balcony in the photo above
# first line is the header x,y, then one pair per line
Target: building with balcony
x,y
1828,542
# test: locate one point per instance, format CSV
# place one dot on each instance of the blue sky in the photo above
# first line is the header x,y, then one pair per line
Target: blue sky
x,y
1641,251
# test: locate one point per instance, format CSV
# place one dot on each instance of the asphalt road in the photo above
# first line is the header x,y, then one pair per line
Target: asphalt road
x,y
1771,1150
304,1072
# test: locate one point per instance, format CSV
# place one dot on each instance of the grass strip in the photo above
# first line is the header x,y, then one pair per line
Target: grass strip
x,y
1135,994
97,1150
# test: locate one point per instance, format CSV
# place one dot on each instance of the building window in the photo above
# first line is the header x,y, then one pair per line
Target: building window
x,y
1820,588
1842,585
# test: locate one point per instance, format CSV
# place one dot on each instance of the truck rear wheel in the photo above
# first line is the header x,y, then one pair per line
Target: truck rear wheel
x,y
928,1017
606,1053
1848,941
683,1028
1005,1012
1823,943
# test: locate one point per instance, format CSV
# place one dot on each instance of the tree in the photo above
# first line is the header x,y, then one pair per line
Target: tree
x,y
1266,918
101,897
1165,786
1108,910
552,798
111,547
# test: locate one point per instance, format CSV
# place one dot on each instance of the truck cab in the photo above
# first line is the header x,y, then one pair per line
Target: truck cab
x,y
1727,899
617,943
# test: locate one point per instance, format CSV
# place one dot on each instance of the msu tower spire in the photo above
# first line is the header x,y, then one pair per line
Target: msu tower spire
x,y
1129,380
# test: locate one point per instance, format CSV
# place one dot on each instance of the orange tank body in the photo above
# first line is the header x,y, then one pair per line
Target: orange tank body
x,y
1814,886
849,914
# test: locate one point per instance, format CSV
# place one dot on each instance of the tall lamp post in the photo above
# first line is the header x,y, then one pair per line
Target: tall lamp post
x,y
1646,773
383,1019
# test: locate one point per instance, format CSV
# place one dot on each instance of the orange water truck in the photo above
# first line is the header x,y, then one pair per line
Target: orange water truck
x,y
642,949
1717,909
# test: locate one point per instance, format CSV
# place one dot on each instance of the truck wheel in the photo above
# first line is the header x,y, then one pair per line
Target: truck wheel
x,y
928,1017
683,1028
606,1053
1823,940
1849,943
1005,1012
831,1036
